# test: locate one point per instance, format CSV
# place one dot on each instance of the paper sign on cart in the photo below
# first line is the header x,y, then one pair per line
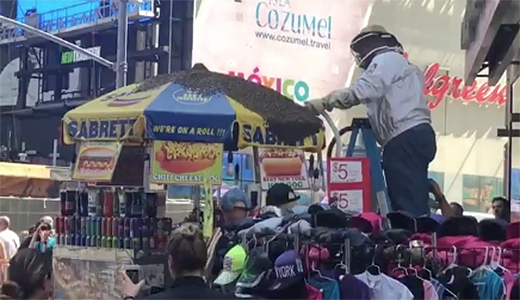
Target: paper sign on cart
x,y
186,163
348,184
278,165
346,171
96,161
350,201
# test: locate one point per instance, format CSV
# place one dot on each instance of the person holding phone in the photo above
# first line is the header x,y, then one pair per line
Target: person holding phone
x,y
43,238
448,210
187,257
391,88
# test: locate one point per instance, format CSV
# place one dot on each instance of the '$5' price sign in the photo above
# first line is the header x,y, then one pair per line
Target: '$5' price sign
x,y
349,201
346,171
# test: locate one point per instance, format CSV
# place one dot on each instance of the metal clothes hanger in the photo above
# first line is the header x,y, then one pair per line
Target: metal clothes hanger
x,y
374,269
345,263
492,265
453,263
411,269
492,257
495,264
424,268
484,266
399,258
451,293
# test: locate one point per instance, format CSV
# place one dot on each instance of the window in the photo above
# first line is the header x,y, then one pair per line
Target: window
x,y
478,191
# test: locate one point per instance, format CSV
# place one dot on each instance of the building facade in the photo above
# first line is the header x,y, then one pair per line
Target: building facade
x,y
470,157
40,80
301,49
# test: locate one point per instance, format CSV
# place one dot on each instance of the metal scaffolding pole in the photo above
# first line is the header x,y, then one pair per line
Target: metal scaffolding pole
x,y
122,44
58,41
121,65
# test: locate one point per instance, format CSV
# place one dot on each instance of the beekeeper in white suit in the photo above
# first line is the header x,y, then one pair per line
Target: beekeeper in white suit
x,y
392,90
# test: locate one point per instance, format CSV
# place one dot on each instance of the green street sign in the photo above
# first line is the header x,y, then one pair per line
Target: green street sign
x,y
70,57
67,57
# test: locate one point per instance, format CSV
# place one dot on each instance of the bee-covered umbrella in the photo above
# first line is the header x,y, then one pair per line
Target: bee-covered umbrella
x,y
196,106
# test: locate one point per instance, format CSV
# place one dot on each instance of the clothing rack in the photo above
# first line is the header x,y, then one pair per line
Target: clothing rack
x,y
349,251
432,251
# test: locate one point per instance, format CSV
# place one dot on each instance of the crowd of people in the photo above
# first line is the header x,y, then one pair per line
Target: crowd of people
x,y
187,249
26,265
26,271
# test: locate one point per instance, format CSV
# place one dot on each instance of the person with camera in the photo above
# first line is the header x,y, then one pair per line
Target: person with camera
x,y
187,256
43,238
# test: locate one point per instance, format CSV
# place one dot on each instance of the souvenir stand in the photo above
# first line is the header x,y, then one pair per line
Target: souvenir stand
x,y
167,130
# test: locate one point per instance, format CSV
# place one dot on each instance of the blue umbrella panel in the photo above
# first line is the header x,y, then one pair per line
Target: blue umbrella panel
x,y
179,114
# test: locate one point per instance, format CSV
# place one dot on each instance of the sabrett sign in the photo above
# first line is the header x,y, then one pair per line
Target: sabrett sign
x,y
100,129
257,135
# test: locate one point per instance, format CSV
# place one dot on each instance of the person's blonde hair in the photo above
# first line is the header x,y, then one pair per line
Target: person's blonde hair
x,y
187,249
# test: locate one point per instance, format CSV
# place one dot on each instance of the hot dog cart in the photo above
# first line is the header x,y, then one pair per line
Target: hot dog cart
x,y
172,129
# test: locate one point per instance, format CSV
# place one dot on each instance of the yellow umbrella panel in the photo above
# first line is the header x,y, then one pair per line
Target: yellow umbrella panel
x,y
253,131
172,113
109,117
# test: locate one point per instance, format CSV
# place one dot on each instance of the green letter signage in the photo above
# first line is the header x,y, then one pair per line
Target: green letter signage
x,y
67,57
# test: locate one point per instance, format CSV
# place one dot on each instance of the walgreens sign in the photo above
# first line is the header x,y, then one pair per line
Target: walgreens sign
x,y
438,87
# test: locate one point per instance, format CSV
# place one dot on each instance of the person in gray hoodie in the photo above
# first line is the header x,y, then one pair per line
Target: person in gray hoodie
x,y
391,88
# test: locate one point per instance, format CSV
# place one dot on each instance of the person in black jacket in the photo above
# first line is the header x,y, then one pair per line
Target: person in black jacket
x,y
187,259
29,276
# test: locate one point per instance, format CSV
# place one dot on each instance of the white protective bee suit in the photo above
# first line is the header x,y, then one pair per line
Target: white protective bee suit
x,y
391,88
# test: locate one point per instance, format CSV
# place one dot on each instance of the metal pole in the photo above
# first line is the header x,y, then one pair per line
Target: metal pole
x,y
122,45
509,126
170,36
54,152
58,40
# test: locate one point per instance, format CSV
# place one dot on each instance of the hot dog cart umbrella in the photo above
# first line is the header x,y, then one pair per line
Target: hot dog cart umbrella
x,y
196,106
177,111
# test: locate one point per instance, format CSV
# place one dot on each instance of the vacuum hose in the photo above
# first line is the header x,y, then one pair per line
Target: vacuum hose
x,y
337,136
332,143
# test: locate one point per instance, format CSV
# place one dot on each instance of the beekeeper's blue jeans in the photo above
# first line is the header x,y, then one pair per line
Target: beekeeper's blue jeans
x,y
406,158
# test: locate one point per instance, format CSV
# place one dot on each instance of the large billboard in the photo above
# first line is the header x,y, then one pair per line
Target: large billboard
x,y
299,48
